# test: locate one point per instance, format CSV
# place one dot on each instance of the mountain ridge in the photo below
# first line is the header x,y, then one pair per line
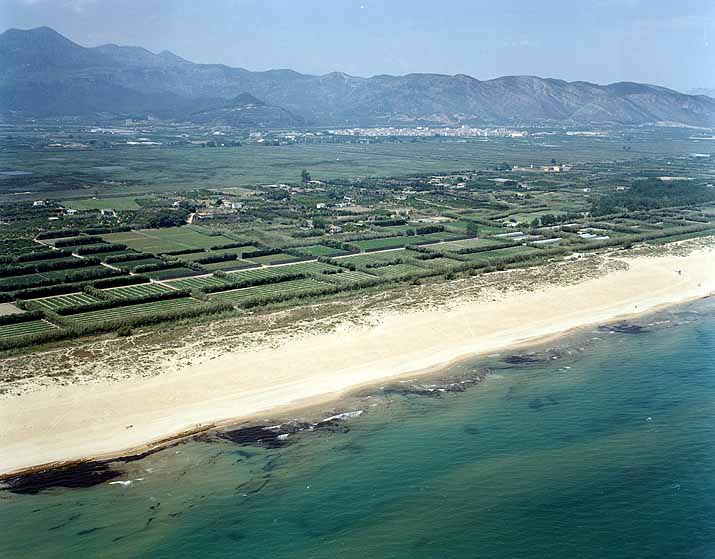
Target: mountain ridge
x,y
44,74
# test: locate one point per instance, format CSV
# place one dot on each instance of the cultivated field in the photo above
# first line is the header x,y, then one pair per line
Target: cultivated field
x,y
292,287
139,290
132,311
25,328
64,301
166,240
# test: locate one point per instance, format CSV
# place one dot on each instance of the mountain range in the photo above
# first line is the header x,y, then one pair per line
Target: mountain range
x,y
44,74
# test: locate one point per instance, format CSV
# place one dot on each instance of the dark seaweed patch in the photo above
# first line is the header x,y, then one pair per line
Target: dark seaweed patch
x,y
536,403
520,359
622,328
254,436
85,474
90,531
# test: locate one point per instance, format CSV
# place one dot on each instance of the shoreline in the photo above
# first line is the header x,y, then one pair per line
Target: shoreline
x,y
61,426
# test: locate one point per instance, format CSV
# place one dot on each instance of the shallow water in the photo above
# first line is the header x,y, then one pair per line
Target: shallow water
x,y
600,447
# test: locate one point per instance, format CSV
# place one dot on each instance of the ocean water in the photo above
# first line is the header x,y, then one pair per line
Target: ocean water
x,y
599,445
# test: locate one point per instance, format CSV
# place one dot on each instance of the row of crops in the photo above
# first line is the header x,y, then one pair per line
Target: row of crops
x,y
271,290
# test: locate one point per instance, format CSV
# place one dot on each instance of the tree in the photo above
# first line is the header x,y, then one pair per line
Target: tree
x,y
472,229
304,176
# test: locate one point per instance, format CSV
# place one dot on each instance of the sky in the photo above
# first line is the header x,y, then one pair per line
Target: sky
x,y
663,42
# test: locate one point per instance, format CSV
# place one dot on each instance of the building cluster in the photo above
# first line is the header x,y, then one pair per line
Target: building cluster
x,y
427,131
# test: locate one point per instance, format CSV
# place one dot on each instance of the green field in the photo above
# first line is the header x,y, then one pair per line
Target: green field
x,y
166,240
499,253
260,273
64,301
402,241
378,257
269,259
119,203
196,283
309,268
320,250
229,265
441,263
131,311
133,264
139,290
171,273
57,276
397,270
26,280
454,246
281,288
349,277
25,328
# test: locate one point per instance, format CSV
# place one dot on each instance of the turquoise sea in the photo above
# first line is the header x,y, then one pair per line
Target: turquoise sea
x,y
599,445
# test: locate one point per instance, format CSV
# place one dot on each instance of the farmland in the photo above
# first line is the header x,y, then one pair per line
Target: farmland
x,y
197,283
64,301
121,203
285,288
166,240
402,241
25,328
133,310
139,290
380,217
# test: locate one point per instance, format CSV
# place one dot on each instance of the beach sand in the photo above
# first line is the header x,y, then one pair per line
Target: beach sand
x,y
102,419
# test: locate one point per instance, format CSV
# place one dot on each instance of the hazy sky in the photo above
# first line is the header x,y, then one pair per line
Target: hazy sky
x,y
665,42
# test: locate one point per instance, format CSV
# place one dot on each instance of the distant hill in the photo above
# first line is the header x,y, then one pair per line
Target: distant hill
x,y
44,74
710,92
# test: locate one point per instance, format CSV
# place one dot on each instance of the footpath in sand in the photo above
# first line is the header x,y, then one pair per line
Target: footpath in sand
x,y
63,423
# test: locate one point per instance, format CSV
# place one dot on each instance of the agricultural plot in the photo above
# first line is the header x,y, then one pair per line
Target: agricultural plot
x,y
104,255
292,287
397,270
443,262
260,273
64,301
15,247
380,257
279,258
19,282
348,277
25,328
139,290
119,203
67,276
499,253
131,265
320,250
229,265
403,241
454,246
309,268
89,246
172,273
196,283
132,311
166,240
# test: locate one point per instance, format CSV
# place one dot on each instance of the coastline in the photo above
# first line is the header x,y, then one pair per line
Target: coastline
x,y
65,424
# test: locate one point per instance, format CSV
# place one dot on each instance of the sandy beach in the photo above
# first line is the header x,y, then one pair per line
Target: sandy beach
x,y
65,423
